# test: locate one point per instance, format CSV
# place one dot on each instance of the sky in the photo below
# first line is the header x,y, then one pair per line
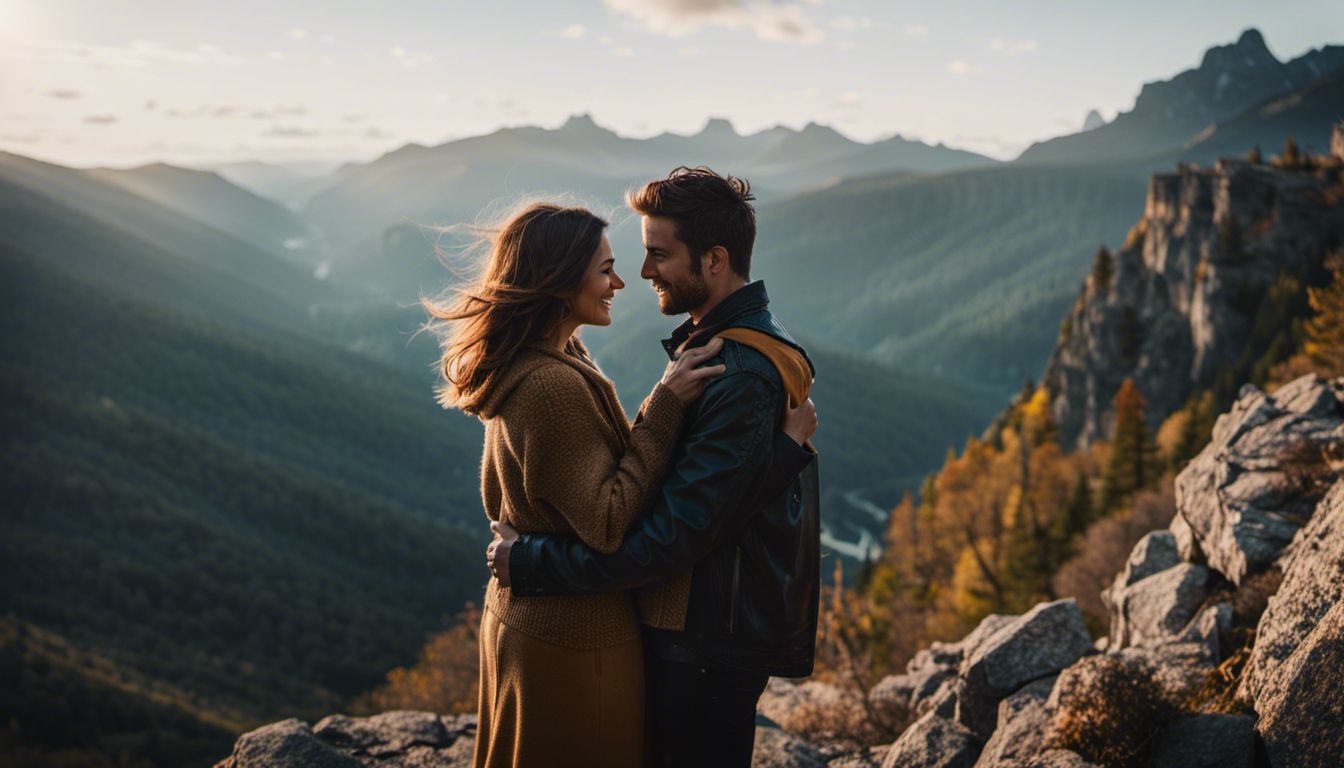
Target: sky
x,y
122,83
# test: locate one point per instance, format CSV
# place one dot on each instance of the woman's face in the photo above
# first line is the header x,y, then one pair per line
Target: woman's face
x,y
592,304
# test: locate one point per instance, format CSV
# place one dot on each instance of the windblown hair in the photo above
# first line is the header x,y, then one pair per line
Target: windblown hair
x,y
708,210
537,257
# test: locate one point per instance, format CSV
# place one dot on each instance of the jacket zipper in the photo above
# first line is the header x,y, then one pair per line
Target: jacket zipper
x,y
737,571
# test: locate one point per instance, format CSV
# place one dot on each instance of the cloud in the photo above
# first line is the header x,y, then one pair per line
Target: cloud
x,y
412,59
64,94
32,137
573,31
847,23
689,51
849,100
1012,48
775,21
100,119
151,105
915,30
328,39
260,114
298,34
225,111
353,118
289,132
137,54
291,110
962,68
373,133
622,51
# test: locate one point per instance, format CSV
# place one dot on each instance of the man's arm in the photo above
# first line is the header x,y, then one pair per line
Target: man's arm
x,y
730,450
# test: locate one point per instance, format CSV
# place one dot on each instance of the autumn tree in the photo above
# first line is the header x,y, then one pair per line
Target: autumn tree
x,y
1132,463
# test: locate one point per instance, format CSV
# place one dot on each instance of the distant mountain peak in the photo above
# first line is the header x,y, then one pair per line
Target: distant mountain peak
x,y
1252,39
1093,121
718,126
581,122
1249,52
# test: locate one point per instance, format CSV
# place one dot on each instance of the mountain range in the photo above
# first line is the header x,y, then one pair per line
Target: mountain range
x,y
234,484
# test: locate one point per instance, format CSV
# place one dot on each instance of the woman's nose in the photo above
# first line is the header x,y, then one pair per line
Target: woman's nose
x,y
616,282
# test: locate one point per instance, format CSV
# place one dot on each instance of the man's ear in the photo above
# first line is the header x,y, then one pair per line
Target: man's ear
x,y
718,259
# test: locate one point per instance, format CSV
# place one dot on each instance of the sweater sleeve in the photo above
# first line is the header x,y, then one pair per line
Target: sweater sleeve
x,y
567,461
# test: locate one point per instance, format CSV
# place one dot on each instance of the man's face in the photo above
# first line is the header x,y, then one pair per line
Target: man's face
x,y
669,269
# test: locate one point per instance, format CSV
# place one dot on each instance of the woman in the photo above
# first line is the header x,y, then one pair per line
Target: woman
x,y
561,677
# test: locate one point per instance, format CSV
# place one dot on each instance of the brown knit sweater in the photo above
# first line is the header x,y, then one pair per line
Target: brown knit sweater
x,y
560,457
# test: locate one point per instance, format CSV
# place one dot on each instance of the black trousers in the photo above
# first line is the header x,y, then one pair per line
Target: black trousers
x,y
699,716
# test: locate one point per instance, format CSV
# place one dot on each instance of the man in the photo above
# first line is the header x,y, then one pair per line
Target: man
x,y
728,554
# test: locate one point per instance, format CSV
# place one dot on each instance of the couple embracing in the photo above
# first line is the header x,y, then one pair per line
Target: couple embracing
x,y
648,577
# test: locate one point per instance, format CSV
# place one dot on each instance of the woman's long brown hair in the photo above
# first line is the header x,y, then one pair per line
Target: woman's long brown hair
x,y
537,257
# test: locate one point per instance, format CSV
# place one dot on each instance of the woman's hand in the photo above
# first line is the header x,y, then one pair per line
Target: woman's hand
x,y
686,380
801,423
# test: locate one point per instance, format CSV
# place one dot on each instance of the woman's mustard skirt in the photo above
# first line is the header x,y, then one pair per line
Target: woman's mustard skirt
x,y
546,705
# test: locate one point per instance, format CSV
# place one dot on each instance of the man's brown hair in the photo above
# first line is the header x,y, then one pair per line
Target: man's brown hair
x,y
708,210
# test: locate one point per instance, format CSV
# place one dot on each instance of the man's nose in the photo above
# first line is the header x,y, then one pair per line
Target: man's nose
x,y
646,269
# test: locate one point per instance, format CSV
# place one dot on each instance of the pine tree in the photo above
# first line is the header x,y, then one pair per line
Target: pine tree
x,y
1324,343
1103,266
1254,155
1132,461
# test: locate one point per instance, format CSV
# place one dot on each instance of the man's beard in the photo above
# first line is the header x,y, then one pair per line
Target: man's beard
x,y
678,299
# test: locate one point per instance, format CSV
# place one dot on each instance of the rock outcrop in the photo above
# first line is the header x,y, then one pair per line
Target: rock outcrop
x,y
1239,500
1177,304
400,739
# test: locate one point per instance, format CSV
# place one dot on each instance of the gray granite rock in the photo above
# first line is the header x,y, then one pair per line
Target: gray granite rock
x,y
1178,669
1155,552
1059,758
1234,497
776,748
1039,643
890,698
1157,609
934,742
400,739
286,744
1024,721
1313,583
1207,741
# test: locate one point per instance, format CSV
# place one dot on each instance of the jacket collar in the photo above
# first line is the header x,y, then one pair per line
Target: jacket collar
x,y
749,298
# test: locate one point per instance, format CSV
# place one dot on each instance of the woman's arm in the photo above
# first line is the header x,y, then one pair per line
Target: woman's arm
x,y
567,461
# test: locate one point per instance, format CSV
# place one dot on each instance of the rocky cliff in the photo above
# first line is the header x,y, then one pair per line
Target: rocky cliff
x,y
1177,305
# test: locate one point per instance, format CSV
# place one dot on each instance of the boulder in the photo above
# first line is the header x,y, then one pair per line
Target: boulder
x,y
1024,720
1313,583
1157,609
940,655
1300,702
928,686
400,739
1036,644
814,708
1178,669
286,744
890,699
1207,741
1059,758
1208,628
934,742
777,749
1236,502
1154,553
